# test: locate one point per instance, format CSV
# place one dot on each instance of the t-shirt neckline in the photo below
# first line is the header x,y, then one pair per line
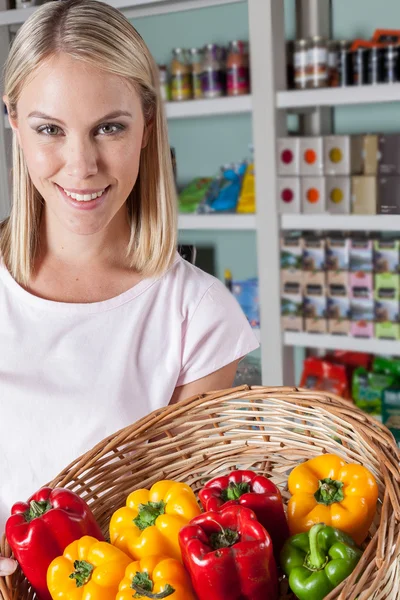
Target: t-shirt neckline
x,y
78,307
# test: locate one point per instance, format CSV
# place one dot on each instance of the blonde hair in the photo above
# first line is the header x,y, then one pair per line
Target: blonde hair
x,y
101,36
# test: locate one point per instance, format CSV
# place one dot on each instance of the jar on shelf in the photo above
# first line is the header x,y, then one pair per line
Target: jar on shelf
x,y
237,69
345,67
196,64
317,63
164,83
300,57
181,88
213,72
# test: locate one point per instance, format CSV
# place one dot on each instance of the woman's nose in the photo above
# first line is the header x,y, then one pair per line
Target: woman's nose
x,y
81,158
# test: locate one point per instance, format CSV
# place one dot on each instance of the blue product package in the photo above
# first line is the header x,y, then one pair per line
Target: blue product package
x,y
246,293
224,191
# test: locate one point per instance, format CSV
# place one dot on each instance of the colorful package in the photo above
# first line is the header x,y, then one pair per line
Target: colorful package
x,y
322,375
247,198
367,388
246,293
194,194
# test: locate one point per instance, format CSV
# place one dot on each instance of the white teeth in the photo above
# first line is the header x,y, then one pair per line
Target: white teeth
x,y
84,197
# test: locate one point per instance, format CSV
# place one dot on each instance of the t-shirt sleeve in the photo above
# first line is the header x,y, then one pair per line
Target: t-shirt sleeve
x,y
217,334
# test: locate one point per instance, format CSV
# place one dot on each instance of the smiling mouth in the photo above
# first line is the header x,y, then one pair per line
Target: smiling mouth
x,y
87,197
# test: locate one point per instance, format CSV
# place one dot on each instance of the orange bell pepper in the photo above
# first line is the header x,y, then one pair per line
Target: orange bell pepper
x,y
87,570
156,577
327,490
150,522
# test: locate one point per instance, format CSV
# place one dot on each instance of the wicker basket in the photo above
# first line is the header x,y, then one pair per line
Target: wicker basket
x,y
266,429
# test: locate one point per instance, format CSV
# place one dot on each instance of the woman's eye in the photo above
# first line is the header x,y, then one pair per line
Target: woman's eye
x,y
50,130
108,128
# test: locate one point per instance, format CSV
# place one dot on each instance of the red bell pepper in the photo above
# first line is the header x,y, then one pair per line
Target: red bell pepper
x,y
39,530
229,556
252,491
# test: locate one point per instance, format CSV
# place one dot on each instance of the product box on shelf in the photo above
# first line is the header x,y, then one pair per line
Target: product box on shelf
x,y
386,255
339,326
288,190
389,154
292,312
361,305
387,296
314,283
361,285
315,302
387,331
291,282
343,154
337,253
313,195
338,307
361,254
292,244
370,155
389,195
288,156
338,194
314,248
362,329
364,195
338,283
391,410
311,156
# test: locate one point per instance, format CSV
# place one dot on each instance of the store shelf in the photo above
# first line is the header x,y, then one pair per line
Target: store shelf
x,y
209,108
332,342
342,222
131,8
367,94
232,222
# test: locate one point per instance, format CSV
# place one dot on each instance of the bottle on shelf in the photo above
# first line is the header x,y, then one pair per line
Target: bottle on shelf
x,y
181,88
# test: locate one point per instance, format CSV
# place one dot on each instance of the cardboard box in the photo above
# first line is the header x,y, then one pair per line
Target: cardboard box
x,y
311,156
338,195
386,255
363,195
338,307
339,327
288,191
389,154
292,251
316,325
387,331
387,297
343,154
292,312
370,154
362,329
292,323
361,254
288,156
338,283
314,248
313,195
389,195
291,282
337,253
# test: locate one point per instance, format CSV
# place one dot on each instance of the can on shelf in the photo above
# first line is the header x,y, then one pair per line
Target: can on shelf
x,y
333,74
376,65
361,65
345,64
317,63
301,64
391,61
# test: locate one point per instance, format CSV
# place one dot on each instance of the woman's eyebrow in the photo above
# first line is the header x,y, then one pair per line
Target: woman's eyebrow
x,y
113,115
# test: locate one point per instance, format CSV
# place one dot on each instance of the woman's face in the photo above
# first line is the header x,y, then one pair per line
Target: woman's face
x,y
81,131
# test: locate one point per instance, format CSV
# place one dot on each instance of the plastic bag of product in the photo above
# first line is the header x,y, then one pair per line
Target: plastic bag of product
x,y
194,194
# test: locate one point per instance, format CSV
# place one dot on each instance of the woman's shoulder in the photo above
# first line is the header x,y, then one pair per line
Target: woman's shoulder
x,y
191,277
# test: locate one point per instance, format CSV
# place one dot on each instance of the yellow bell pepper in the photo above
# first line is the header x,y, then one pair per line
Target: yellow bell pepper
x,y
150,522
87,570
327,490
156,577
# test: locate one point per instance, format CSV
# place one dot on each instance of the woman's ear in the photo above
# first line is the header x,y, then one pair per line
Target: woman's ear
x,y
12,119
146,134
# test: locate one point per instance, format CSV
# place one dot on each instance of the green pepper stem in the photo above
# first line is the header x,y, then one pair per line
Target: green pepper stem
x,y
329,491
235,490
37,509
143,586
316,559
82,573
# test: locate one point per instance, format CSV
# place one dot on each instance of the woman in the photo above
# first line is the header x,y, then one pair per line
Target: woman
x,y
101,321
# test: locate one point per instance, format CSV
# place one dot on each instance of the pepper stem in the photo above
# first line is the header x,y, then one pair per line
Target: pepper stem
x,y
148,514
235,490
224,538
82,573
143,586
36,509
315,559
329,491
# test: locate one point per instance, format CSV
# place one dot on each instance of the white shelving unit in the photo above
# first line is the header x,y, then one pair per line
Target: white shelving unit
x,y
218,222
341,222
336,342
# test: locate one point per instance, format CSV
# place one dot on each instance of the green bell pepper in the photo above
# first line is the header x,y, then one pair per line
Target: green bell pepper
x,y
318,561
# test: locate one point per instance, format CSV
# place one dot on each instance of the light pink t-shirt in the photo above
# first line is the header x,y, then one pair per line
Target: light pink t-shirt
x,y
71,374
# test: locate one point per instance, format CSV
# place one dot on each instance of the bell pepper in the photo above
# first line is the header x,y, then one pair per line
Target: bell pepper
x,y
38,531
229,555
156,577
327,490
252,491
87,570
318,561
150,522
